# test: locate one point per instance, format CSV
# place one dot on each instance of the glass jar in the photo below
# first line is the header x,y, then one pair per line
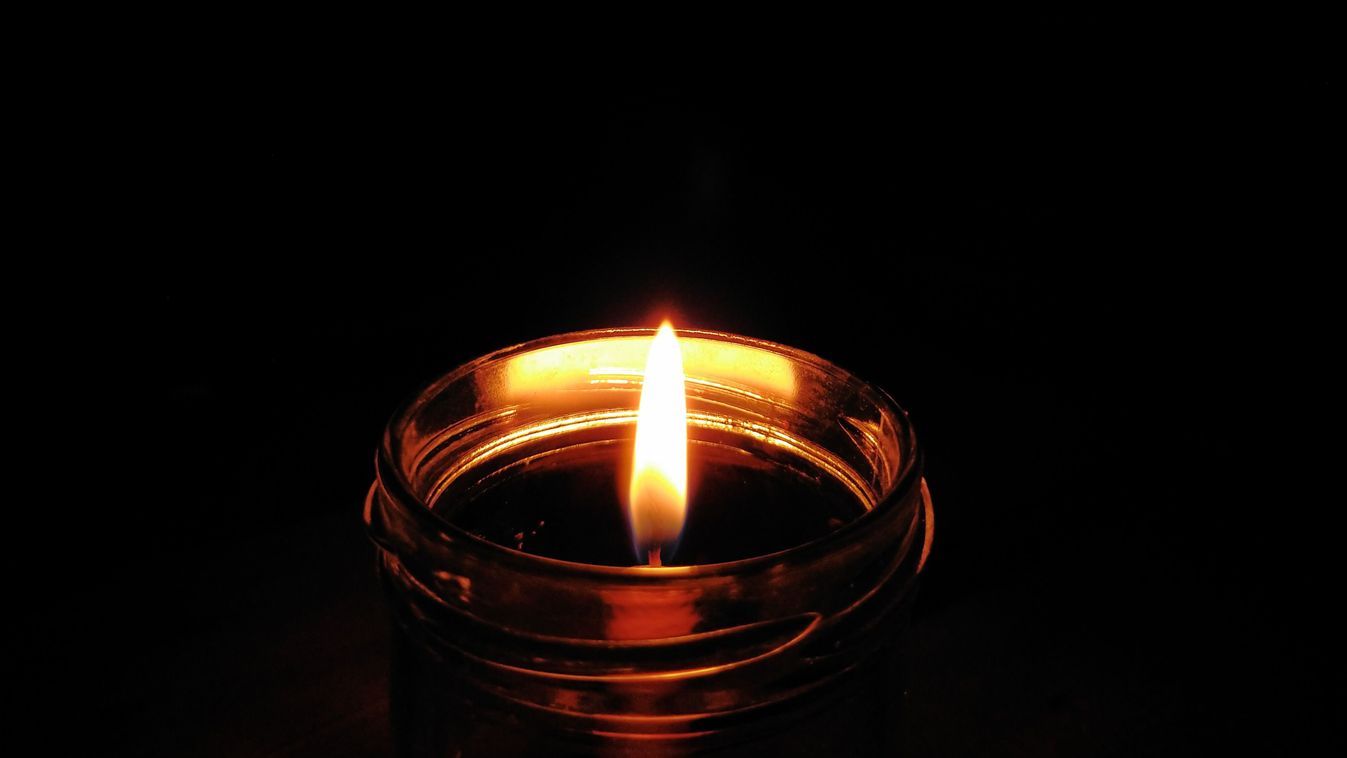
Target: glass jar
x,y
502,652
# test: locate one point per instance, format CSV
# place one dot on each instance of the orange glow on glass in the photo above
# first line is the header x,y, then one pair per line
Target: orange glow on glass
x,y
657,500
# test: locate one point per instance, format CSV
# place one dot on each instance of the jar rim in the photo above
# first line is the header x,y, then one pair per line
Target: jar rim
x,y
898,492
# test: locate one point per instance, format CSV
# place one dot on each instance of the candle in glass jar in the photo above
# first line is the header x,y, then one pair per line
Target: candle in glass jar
x,y
528,616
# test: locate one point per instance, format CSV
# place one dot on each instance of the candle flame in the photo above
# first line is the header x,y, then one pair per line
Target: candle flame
x,y
657,502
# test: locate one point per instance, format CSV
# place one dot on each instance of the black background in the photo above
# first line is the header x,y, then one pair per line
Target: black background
x,y
1051,255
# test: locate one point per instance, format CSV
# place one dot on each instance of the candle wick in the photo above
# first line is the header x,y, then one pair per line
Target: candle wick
x,y
654,556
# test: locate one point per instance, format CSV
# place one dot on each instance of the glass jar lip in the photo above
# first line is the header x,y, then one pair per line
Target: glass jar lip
x,y
903,483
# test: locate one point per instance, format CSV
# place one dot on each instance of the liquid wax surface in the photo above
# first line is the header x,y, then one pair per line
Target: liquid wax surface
x,y
570,505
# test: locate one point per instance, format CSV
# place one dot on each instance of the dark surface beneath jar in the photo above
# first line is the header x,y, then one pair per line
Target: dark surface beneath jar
x,y
569,504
